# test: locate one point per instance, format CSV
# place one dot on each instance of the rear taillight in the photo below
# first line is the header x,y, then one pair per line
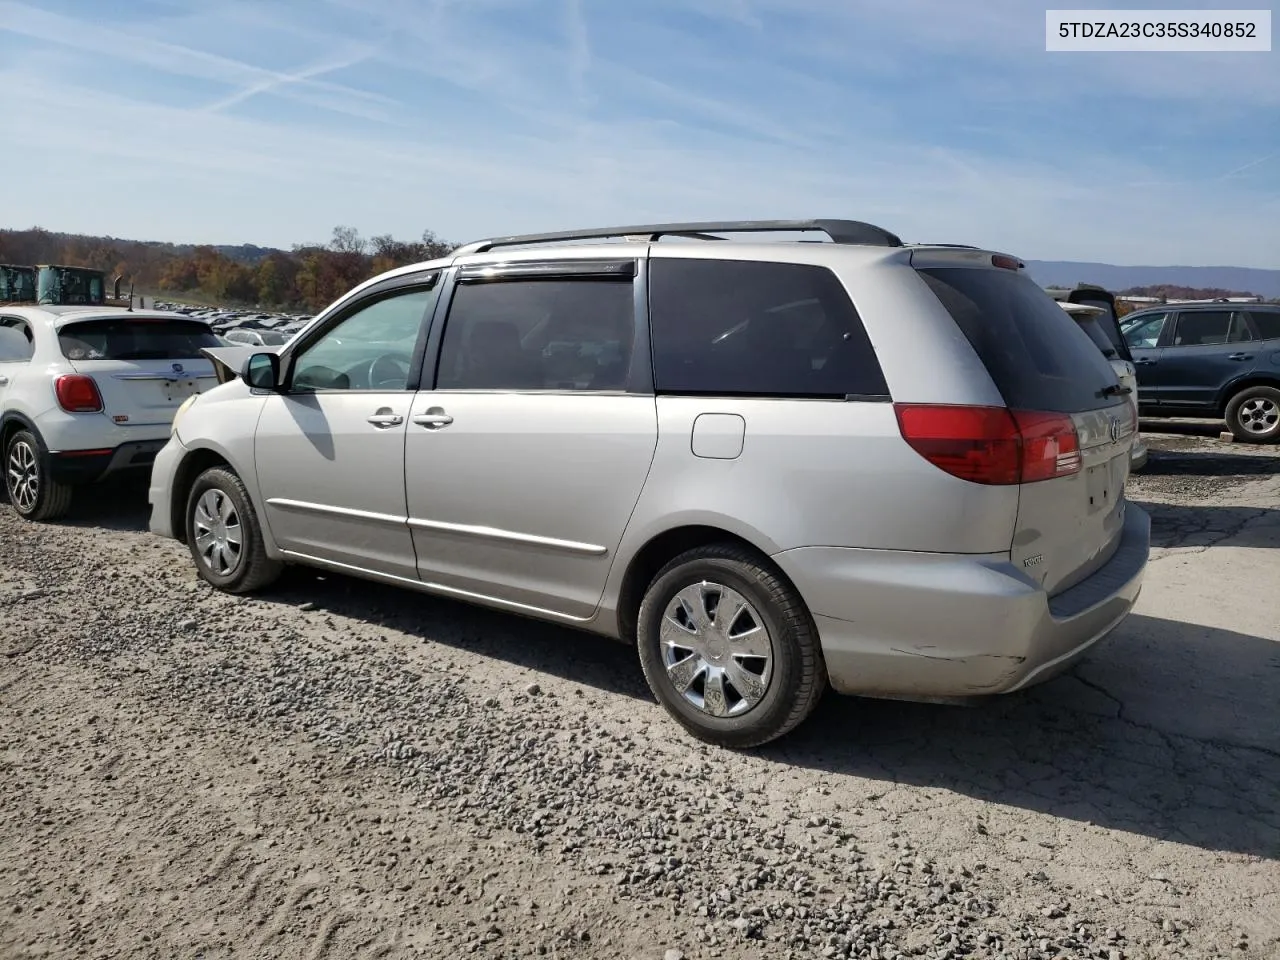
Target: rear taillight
x,y
991,445
1050,445
77,393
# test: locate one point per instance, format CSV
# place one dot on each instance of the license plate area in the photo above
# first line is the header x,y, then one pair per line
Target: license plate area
x,y
1104,484
178,390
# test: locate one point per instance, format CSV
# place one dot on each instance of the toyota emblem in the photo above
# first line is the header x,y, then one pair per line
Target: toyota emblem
x,y
177,368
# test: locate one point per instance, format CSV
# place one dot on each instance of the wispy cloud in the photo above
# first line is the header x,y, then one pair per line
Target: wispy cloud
x,y
110,43
737,12
579,52
273,83
1250,165
942,120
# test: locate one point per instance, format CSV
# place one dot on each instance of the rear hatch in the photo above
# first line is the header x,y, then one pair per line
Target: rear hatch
x,y
143,367
1066,398
1109,320
1092,320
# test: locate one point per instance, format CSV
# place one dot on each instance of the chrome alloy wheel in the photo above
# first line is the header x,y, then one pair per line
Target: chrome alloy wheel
x,y
217,529
716,649
23,476
1259,415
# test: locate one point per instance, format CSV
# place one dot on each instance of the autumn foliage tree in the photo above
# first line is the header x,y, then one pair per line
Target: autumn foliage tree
x,y
308,277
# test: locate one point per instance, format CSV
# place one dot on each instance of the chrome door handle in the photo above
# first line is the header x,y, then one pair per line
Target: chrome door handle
x,y
433,419
1240,356
386,419
1143,363
4,381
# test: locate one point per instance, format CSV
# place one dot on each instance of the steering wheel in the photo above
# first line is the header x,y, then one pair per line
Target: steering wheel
x,y
388,372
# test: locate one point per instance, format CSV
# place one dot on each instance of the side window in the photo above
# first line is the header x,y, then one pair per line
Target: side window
x,y
1239,331
16,340
1202,328
552,334
371,349
1145,332
1267,323
747,328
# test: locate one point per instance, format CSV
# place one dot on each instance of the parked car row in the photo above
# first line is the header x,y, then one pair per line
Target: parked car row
x,y
895,470
238,326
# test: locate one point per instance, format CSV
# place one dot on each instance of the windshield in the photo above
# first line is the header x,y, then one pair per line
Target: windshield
x,y
135,338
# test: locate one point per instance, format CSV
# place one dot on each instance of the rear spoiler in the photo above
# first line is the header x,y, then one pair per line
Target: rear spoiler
x,y
1081,308
229,361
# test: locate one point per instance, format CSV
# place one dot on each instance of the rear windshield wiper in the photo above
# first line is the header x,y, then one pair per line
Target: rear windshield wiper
x,y
1115,390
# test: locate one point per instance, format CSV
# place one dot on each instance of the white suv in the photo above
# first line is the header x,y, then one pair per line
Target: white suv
x,y
88,392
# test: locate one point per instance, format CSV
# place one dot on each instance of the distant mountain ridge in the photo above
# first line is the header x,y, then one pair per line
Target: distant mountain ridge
x,y
144,258
1264,283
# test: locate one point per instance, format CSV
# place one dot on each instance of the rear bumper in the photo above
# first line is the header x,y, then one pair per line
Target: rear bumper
x,y
160,493
87,466
929,626
1138,455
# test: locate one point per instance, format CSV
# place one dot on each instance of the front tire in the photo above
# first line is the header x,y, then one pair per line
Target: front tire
x,y
225,536
729,648
34,494
1253,415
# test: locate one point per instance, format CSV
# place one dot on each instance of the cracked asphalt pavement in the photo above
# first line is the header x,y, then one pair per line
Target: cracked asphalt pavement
x,y
341,769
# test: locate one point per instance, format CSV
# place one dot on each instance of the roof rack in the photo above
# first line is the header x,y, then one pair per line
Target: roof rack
x,y
840,231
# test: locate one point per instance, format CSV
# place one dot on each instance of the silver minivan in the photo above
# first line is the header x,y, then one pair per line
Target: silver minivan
x,y
772,465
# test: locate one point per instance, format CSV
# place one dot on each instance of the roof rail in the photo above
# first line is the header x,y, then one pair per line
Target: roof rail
x,y
840,231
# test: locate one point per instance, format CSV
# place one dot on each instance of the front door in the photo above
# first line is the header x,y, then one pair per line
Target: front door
x,y
1144,338
330,447
525,462
1208,349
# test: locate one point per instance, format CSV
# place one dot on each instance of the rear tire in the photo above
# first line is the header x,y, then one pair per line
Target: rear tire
x,y
33,493
225,536
738,679
1253,415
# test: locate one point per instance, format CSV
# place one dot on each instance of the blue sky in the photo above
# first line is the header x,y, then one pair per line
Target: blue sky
x,y
270,121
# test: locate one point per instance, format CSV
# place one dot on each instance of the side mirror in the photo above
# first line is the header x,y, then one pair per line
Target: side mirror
x,y
262,371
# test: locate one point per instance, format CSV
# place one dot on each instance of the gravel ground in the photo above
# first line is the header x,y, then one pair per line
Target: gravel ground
x,y
340,769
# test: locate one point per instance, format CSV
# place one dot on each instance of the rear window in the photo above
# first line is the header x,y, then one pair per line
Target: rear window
x,y
1268,323
1108,324
1035,353
757,329
135,338
1093,328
